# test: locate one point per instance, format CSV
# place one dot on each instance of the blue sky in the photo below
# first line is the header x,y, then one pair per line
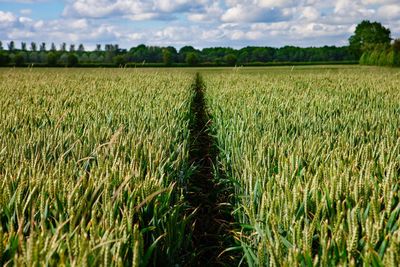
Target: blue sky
x,y
200,23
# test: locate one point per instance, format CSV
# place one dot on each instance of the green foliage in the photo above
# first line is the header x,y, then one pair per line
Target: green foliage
x,y
167,57
4,59
397,58
19,59
390,58
230,59
374,57
52,59
184,51
381,55
396,45
382,61
43,57
11,46
72,60
63,60
364,58
192,59
368,33
83,58
119,60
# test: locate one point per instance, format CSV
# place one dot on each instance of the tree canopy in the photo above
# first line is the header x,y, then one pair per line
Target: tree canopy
x,y
366,34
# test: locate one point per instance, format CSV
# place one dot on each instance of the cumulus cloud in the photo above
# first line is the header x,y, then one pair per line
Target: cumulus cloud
x,y
276,3
209,13
59,30
24,1
249,13
390,12
7,20
319,30
175,5
369,2
352,9
200,22
309,13
133,9
7,17
25,11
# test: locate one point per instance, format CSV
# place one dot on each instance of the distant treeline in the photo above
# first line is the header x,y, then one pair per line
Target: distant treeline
x,y
382,54
142,55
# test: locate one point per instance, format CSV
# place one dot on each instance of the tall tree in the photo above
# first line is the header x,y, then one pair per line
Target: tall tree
x,y
33,47
43,47
1,45
366,34
4,59
81,48
63,47
184,51
111,47
98,48
191,58
19,59
230,59
72,48
167,57
11,46
72,60
23,46
396,45
51,59
53,47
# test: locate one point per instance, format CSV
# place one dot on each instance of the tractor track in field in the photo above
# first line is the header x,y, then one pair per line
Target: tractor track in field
x,y
213,219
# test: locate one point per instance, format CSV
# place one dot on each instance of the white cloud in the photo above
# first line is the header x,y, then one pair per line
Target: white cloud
x,y
24,20
132,9
352,9
390,12
253,13
210,13
135,36
145,16
245,35
59,30
173,5
309,13
318,30
275,3
278,26
369,2
79,24
7,20
200,22
95,8
213,34
25,11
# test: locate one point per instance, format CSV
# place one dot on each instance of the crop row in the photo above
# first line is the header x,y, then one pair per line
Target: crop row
x,y
314,159
91,167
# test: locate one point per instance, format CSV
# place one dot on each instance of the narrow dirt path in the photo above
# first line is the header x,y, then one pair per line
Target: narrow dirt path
x,y
213,219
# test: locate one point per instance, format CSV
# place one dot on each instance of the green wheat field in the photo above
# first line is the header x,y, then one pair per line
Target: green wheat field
x,y
96,168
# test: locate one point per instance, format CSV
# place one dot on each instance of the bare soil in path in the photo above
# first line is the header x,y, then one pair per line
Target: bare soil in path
x,y
213,219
